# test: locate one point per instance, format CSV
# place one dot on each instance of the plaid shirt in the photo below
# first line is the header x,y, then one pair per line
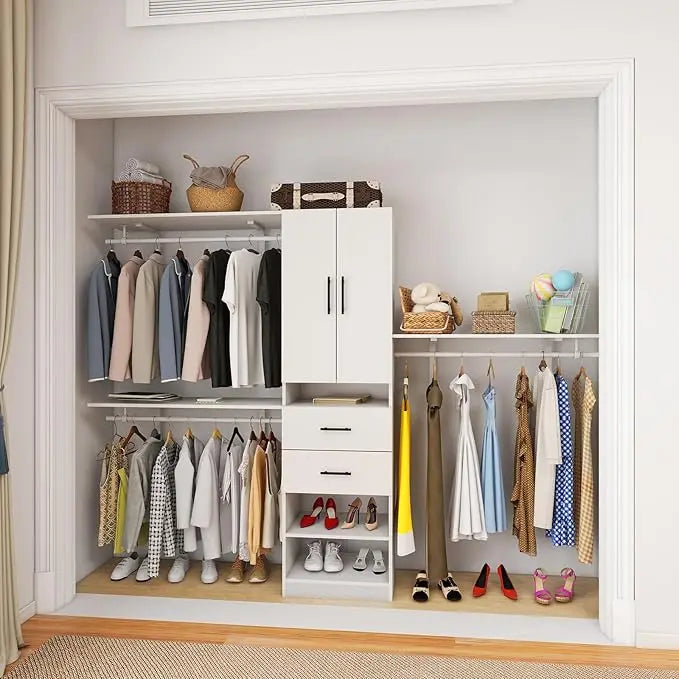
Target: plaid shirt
x,y
164,537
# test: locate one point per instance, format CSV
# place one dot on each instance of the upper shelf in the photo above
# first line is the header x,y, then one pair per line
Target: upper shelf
x,y
193,221
190,404
467,336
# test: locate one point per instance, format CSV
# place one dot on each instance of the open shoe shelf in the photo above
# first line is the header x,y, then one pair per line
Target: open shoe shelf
x,y
358,532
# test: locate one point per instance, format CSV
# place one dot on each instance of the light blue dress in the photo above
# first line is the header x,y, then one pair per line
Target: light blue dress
x,y
491,470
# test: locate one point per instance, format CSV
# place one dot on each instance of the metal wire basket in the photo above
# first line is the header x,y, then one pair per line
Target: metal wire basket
x,y
547,314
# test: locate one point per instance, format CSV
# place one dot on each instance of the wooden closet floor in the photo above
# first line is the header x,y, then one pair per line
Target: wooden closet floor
x,y
585,604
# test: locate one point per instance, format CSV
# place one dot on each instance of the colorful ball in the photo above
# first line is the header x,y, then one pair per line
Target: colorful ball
x,y
541,286
563,280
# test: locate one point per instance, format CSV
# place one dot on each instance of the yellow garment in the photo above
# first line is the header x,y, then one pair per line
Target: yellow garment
x,y
256,507
405,538
120,512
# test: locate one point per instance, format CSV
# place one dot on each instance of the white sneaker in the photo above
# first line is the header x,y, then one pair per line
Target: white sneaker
x,y
143,572
314,561
332,562
179,569
209,573
125,567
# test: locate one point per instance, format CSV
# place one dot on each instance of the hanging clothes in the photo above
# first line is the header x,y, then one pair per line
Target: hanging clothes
x,y
245,335
230,497
467,519
114,460
164,538
196,364
120,368
185,484
205,511
270,522
492,486
437,562
220,318
584,401
547,446
245,472
120,513
405,536
269,299
523,491
101,307
173,303
256,505
562,532
145,358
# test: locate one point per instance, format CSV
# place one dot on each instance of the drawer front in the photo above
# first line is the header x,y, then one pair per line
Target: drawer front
x,y
337,472
337,428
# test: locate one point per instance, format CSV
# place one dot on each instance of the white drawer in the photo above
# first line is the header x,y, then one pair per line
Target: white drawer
x,y
337,427
337,472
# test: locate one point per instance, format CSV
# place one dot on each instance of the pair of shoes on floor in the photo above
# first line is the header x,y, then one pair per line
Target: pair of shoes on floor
x,y
447,585
315,562
564,594
331,520
353,514
133,563
481,584
260,573
361,563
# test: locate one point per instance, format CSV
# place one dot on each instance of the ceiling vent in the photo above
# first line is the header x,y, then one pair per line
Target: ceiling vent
x,y
155,12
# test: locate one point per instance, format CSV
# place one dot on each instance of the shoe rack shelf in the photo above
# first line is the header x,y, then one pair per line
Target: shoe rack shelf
x,y
358,532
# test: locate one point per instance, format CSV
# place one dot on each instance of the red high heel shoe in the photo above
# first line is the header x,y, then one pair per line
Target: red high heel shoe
x,y
310,519
331,520
481,584
506,584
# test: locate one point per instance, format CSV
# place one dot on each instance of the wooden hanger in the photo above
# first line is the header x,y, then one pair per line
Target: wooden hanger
x,y
169,438
188,433
134,431
491,372
581,372
216,434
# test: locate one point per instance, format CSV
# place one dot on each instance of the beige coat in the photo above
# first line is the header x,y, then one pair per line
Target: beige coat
x,y
121,350
196,354
145,358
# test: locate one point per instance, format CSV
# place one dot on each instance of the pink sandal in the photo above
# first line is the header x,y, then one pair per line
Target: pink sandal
x,y
542,596
565,593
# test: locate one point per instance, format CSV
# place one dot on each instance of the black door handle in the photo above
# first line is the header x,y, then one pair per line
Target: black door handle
x,y
335,428
342,294
326,473
328,294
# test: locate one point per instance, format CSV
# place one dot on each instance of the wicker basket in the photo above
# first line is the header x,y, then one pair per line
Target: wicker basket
x,y
494,322
135,198
226,199
428,322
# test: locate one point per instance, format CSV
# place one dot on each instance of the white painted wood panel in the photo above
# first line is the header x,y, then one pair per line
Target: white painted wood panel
x,y
364,295
308,284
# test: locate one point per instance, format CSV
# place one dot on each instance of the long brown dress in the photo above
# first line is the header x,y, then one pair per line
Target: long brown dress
x,y
523,492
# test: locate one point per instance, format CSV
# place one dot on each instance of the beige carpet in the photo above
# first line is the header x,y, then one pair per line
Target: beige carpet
x,y
71,657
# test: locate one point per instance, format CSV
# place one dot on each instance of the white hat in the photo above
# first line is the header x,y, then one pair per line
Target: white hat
x,y
425,293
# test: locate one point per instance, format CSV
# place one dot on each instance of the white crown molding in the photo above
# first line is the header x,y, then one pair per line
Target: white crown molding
x,y
611,81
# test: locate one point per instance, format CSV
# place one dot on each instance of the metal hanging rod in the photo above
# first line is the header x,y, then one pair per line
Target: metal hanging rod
x,y
181,420
496,354
176,239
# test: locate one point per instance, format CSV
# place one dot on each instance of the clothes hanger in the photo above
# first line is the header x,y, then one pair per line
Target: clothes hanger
x,y
459,374
252,247
206,252
434,370
262,433
216,434
543,364
156,250
180,253
253,436
137,253
188,433
134,431
272,436
558,366
406,383
491,371
155,434
226,244
169,438
233,436
581,372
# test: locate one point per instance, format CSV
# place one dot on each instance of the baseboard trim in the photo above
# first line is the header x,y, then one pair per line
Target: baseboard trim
x,y
656,640
28,611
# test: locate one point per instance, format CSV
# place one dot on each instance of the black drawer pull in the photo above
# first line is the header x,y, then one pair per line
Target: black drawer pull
x,y
335,428
326,473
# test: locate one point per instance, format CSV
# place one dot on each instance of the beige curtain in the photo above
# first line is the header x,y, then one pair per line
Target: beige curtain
x,y
15,22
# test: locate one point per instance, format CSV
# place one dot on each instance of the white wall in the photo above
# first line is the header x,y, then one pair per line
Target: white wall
x,y
86,42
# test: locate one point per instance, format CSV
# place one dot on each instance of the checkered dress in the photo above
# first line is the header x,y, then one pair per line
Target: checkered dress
x,y
164,537
562,532
584,400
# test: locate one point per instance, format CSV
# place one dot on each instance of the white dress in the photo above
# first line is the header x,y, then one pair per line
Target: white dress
x,y
547,446
205,512
229,497
245,471
245,329
467,518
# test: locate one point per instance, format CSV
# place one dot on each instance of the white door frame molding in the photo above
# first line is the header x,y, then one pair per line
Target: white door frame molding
x,y
611,82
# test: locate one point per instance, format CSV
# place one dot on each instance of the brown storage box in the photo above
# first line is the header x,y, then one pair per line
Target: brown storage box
x,y
493,301
494,322
314,195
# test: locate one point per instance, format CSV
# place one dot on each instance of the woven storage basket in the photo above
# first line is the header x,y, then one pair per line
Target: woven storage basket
x,y
428,322
226,199
135,198
494,322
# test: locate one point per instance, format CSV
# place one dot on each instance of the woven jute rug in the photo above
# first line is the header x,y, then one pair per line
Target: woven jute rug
x,y
75,657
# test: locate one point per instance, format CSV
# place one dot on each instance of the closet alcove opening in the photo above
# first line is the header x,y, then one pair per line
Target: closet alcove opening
x,y
484,197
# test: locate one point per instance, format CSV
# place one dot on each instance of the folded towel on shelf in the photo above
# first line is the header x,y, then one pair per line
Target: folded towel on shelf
x,y
136,164
210,177
141,176
123,177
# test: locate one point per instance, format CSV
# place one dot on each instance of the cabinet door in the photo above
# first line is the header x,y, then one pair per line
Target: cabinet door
x,y
364,295
308,296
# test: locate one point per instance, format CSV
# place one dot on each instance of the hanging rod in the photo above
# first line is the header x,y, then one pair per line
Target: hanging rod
x,y
209,420
500,354
213,239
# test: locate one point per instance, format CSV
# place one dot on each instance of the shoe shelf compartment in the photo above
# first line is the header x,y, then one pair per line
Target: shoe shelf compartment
x,y
359,532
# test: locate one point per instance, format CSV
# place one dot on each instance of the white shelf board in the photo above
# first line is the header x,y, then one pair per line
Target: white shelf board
x,y
468,336
348,576
190,404
372,403
358,532
193,221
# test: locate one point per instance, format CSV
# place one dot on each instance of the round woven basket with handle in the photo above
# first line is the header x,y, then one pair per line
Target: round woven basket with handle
x,y
227,199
